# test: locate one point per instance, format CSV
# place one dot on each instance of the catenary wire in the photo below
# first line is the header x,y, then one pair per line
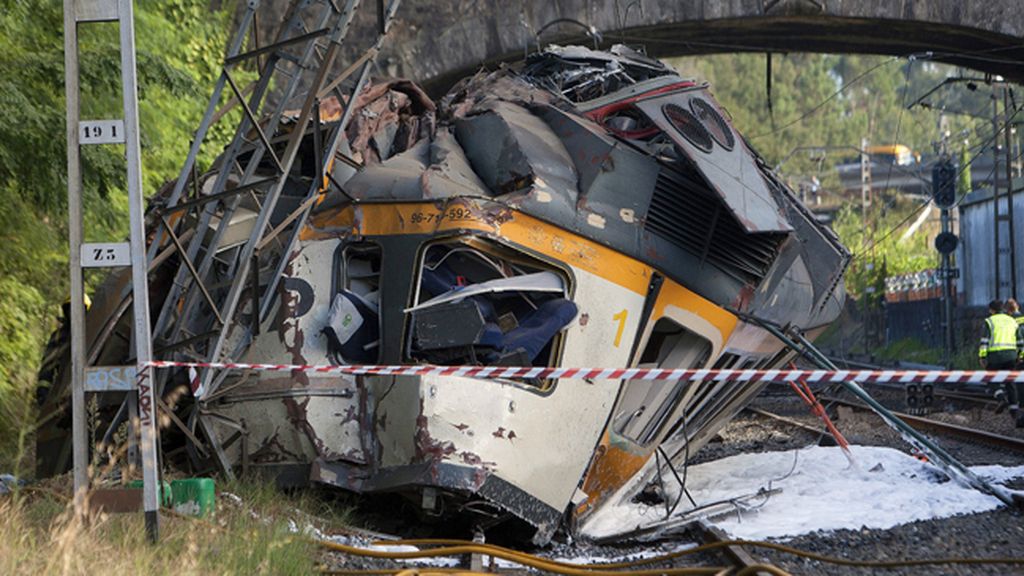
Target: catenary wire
x,y
914,214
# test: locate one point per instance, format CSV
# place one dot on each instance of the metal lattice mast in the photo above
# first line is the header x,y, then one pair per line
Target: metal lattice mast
x,y
203,316
136,380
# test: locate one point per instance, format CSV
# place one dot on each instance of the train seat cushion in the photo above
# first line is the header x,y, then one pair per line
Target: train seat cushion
x,y
352,328
538,327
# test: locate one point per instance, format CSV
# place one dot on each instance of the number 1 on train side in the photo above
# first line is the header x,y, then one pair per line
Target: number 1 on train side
x,y
621,317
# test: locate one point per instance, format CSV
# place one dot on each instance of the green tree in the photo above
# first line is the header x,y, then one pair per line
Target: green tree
x,y
179,46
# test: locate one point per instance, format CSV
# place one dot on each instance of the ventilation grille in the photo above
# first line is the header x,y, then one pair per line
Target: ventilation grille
x,y
685,212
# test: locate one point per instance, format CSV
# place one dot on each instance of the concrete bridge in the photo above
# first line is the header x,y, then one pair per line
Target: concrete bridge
x,y
438,41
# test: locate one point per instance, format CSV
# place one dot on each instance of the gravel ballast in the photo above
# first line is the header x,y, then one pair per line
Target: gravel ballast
x,y
994,534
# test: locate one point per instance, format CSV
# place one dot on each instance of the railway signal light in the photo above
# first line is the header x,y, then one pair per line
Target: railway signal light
x,y
944,184
946,242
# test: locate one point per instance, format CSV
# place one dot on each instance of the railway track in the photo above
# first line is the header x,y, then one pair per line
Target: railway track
x,y
923,424
976,397
946,428
735,554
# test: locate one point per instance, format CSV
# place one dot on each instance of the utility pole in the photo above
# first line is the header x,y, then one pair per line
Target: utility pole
x,y
997,217
944,176
1002,154
135,380
1008,150
865,178
865,202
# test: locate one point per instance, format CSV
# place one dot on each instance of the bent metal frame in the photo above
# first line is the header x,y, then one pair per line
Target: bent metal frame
x,y
303,55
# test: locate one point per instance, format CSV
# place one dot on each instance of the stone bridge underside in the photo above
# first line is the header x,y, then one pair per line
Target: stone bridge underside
x,y
438,41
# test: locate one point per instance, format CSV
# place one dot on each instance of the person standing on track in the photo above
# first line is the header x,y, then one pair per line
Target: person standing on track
x,y
998,351
1013,310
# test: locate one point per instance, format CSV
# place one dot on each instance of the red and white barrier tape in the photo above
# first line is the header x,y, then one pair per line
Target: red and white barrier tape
x,y
883,376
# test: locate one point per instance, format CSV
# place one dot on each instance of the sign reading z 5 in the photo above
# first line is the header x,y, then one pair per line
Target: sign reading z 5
x,y
103,255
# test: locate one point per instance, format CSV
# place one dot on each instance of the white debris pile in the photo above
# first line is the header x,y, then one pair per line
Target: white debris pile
x,y
819,491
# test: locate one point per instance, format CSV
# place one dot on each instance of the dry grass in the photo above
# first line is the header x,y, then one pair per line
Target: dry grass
x,y
40,535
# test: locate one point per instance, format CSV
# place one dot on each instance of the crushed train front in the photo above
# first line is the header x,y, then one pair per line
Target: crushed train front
x,y
579,209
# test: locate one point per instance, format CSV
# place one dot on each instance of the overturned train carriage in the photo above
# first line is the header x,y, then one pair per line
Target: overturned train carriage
x,y
579,209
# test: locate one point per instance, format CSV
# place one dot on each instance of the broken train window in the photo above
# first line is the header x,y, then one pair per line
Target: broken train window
x,y
646,405
353,323
480,303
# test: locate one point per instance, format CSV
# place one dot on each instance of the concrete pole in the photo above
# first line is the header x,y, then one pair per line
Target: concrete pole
x,y
140,283
1009,191
998,288
79,448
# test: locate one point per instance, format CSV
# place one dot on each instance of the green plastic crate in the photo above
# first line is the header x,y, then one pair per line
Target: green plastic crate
x,y
163,494
193,496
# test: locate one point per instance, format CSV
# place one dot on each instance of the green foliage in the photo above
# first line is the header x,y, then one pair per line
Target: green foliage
x,y
877,257
963,182
22,335
39,535
833,101
909,350
179,45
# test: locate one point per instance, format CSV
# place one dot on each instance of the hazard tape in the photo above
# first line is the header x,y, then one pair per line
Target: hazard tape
x,y
829,376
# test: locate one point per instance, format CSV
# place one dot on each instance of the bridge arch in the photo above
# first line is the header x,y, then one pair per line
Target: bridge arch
x,y
439,42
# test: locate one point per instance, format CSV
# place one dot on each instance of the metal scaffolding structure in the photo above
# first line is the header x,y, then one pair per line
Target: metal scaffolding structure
x,y
228,237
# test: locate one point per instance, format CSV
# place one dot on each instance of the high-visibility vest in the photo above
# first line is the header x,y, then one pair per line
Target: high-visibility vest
x,y
1002,335
1020,336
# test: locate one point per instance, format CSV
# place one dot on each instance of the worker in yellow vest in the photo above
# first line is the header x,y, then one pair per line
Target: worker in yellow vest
x,y
1013,309
998,351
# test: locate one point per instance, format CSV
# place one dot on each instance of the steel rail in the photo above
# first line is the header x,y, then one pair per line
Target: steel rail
x,y
790,421
974,434
951,394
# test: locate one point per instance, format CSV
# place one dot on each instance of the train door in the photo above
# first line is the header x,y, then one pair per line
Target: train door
x,y
645,404
683,331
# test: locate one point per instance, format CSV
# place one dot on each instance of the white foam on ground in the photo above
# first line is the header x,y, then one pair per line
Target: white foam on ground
x,y
821,492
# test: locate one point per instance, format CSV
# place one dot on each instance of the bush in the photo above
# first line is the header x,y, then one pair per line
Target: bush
x,y
22,335
179,46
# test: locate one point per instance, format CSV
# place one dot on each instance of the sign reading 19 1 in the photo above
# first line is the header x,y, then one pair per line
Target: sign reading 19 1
x,y
101,131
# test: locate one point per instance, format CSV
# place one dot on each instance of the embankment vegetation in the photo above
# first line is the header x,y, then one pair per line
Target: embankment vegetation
x,y
179,45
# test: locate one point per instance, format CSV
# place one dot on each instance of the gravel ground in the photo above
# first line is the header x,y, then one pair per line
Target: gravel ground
x,y
986,535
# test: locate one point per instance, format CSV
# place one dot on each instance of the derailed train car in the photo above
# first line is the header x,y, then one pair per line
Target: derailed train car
x,y
579,209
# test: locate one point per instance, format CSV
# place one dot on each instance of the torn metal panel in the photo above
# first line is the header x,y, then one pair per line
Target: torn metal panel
x,y
579,74
512,150
438,169
480,91
448,161
605,165
289,423
399,178
507,436
695,123
390,118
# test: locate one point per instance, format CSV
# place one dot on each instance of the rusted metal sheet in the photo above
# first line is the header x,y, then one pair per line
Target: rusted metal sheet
x,y
115,500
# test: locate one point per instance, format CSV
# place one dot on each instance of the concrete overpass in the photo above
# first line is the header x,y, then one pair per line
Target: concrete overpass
x,y
437,42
